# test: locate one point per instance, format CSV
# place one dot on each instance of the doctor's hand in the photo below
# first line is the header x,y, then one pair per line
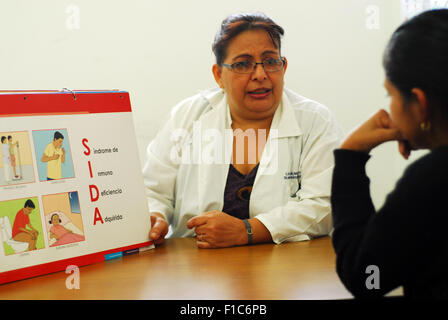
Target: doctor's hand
x,y
217,229
159,228
378,129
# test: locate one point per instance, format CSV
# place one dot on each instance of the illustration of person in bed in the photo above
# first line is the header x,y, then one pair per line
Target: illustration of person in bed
x,y
62,234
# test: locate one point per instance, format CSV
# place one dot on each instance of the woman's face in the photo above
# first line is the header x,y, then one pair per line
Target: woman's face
x,y
255,95
406,117
55,219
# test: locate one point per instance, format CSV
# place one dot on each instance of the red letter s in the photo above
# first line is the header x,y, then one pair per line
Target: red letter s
x,y
84,143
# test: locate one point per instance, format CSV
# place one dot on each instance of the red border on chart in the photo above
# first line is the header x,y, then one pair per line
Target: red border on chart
x,y
63,103
55,266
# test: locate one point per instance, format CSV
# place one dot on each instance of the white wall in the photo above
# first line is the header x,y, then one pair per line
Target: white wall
x,y
160,51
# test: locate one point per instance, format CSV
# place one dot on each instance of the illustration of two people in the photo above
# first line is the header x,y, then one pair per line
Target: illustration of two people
x,y
54,156
23,230
8,157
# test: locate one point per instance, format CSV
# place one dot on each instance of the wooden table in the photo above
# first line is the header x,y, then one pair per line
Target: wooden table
x,y
179,270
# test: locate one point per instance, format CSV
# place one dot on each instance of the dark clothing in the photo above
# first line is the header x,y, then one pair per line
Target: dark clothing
x,y
237,192
406,239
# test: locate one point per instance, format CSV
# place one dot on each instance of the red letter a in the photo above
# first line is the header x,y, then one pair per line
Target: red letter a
x,y
97,216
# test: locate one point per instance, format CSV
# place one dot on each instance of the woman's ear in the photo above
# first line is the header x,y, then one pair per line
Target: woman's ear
x,y
217,73
421,102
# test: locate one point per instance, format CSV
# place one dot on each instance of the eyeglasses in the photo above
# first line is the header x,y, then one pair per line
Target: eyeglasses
x,y
269,65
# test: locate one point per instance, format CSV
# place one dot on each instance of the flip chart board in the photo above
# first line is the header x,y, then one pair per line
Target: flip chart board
x,y
71,189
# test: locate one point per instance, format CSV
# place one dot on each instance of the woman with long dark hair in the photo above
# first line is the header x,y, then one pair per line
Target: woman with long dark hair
x,y
404,243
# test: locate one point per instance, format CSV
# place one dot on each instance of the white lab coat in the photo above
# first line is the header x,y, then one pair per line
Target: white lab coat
x,y
186,176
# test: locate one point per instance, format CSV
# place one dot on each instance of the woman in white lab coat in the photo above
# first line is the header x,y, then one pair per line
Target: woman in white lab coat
x,y
203,179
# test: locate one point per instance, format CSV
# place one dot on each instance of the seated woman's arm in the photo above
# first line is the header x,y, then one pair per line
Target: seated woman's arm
x,y
389,240
217,229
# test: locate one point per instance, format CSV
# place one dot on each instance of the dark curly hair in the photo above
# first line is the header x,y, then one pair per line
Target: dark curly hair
x,y
235,24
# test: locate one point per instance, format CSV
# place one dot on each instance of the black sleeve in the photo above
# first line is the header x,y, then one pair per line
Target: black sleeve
x,y
387,239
